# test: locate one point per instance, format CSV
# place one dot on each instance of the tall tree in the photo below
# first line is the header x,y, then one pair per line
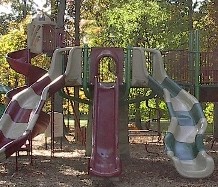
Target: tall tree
x,y
21,8
149,23
208,25
19,11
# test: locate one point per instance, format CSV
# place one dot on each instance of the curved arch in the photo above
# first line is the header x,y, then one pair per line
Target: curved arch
x,y
97,54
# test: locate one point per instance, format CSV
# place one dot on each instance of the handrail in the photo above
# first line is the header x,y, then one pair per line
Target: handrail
x,y
66,96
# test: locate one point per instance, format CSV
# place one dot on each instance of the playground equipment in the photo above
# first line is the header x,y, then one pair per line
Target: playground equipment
x,y
24,118
105,159
197,72
28,120
184,139
41,33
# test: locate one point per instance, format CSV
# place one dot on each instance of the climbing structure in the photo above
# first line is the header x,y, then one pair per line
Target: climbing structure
x,y
107,93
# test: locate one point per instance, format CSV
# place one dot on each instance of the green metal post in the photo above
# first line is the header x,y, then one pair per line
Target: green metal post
x,y
191,55
127,72
197,64
191,46
85,70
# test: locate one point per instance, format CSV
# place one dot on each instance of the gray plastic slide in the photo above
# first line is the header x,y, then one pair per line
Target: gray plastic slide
x,y
184,138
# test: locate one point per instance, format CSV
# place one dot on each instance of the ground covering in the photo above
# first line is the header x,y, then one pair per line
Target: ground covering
x,y
147,166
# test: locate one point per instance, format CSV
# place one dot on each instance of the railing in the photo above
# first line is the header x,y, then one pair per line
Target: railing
x,y
180,67
209,68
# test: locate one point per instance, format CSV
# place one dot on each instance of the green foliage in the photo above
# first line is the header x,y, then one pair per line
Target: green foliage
x,y
208,25
150,107
5,20
22,8
14,40
107,70
152,24
208,111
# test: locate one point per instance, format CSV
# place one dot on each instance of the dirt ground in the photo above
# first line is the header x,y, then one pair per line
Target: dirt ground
x,y
68,167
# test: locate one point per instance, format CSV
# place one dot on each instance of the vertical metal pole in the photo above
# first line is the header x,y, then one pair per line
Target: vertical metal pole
x,y
215,127
68,114
215,130
191,41
197,63
17,154
191,55
30,148
85,68
77,43
29,62
127,72
52,126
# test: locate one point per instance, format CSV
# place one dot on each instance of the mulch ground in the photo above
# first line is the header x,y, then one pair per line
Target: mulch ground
x,y
147,166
